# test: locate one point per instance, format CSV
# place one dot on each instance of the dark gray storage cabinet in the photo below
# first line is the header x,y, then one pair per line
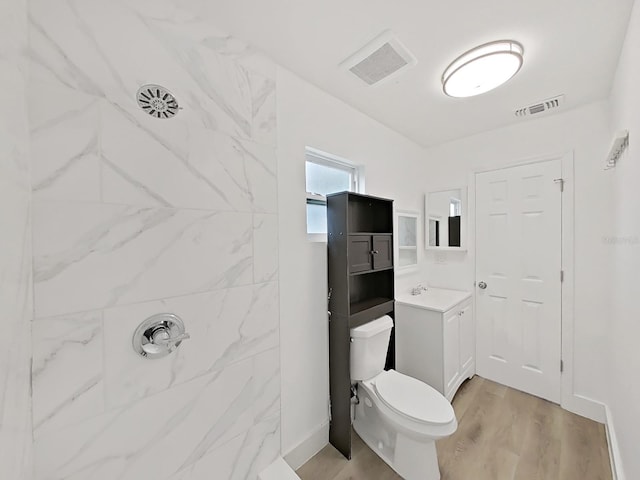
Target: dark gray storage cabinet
x,y
370,252
361,286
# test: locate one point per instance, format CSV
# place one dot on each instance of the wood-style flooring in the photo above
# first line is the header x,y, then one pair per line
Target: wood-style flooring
x,y
503,434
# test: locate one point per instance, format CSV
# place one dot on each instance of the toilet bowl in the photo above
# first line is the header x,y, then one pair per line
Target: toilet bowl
x,y
397,416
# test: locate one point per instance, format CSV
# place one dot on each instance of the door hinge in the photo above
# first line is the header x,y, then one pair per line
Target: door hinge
x,y
561,366
561,276
561,182
329,409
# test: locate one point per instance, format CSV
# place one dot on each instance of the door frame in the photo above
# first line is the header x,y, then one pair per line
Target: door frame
x,y
569,399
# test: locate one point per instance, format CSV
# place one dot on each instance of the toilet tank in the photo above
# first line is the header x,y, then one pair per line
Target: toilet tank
x,y
369,346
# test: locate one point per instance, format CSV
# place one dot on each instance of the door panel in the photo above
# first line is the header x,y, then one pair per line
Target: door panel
x,y
359,253
531,324
451,349
383,245
467,338
518,242
498,328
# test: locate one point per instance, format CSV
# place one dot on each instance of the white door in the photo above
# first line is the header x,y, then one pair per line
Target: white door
x,y
518,262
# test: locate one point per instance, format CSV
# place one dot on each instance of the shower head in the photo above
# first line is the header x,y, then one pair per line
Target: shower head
x,y
157,101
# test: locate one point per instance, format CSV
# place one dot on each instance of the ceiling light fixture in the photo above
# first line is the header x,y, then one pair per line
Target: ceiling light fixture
x,y
482,68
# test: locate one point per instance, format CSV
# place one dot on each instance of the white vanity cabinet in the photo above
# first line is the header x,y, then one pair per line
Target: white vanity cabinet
x,y
435,340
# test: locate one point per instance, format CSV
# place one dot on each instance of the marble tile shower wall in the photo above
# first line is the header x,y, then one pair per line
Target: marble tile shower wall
x,y
134,216
15,247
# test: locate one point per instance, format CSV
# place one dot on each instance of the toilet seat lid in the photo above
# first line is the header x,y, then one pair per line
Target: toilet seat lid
x,y
412,398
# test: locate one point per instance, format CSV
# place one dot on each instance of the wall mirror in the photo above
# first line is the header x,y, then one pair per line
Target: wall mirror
x,y
407,239
446,219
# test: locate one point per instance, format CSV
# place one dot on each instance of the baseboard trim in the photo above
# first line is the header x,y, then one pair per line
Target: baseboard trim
x,y
614,452
301,453
585,407
278,470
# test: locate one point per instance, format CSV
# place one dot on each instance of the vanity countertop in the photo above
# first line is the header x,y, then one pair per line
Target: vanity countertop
x,y
435,299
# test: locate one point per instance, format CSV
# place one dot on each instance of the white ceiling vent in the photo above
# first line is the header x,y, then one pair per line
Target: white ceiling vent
x,y
541,107
380,60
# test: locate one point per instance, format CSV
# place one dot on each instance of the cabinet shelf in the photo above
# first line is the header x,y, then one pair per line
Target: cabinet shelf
x,y
370,233
370,271
369,309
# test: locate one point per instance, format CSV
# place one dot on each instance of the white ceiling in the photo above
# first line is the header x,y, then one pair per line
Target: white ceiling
x,y
571,48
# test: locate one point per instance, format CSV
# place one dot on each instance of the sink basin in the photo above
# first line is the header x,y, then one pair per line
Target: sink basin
x,y
435,299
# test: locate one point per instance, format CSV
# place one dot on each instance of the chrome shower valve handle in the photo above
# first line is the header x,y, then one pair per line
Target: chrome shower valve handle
x,y
159,335
172,341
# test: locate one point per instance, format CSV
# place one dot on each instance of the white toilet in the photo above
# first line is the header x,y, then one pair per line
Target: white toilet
x,y
397,416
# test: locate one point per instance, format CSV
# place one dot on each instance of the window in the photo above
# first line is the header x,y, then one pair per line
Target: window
x,y
455,207
326,174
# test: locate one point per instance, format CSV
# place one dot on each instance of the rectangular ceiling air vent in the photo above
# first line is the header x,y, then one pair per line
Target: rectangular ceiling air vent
x,y
380,60
541,107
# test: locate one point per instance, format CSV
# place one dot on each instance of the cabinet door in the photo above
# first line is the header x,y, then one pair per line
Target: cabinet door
x,y
359,253
451,351
467,339
383,251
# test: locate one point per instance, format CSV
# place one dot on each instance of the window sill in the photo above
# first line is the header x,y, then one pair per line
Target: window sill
x,y
317,237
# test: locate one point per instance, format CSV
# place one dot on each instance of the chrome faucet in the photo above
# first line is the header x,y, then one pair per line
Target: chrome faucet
x,y
418,290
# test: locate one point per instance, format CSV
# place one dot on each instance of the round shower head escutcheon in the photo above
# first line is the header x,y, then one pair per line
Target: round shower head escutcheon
x,y
157,101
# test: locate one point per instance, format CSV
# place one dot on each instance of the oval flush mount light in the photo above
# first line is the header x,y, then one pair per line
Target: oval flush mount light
x,y
482,68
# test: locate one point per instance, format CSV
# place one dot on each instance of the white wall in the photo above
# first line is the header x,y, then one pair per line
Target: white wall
x,y
15,247
623,323
583,131
135,216
393,169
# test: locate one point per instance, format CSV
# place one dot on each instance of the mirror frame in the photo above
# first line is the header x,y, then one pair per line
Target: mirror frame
x,y
464,220
396,240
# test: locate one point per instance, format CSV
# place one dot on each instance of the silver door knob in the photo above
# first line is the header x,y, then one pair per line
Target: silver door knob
x,y
482,285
